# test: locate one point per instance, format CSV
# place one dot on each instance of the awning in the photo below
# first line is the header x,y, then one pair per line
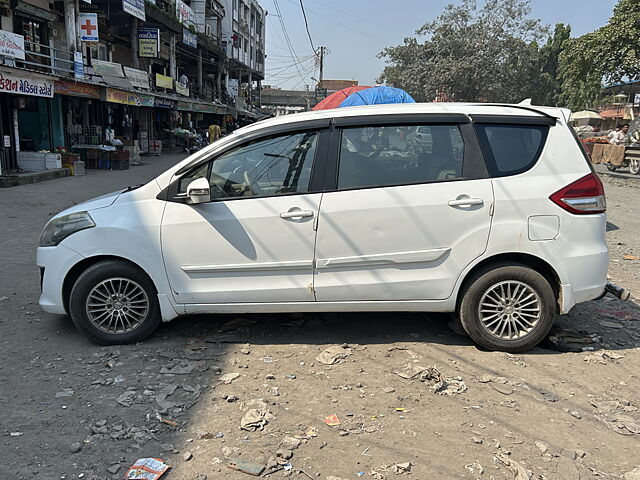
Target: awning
x,y
117,82
24,8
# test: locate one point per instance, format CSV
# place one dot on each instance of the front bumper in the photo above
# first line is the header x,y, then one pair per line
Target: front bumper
x,y
54,263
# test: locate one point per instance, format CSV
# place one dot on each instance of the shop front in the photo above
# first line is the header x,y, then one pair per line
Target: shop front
x,y
26,123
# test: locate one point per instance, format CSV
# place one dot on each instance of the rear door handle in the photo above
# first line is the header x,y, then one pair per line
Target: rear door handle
x,y
297,213
467,201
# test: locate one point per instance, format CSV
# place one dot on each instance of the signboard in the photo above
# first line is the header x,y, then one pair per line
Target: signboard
x,y
128,98
11,45
189,38
138,78
84,90
232,87
162,81
36,87
163,103
182,89
183,106
88,26
78,66
148,42
185,14
107,68
135,8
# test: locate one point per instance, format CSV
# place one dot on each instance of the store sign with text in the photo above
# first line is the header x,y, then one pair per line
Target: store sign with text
x,y
11,45
110,69
138,78
88,26
189,38
148,42
135,8
76,89
128,98
185,14
182,89
36,87
164,103
162,81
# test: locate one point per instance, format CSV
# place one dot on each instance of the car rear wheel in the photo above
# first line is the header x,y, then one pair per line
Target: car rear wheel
x,y
508,307
114,302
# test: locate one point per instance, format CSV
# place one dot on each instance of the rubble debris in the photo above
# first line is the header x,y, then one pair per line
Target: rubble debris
x,y
185,400
75,447
564,340
633,474
187,456
475,468
66,392
256,418
183,367
254,469
290,443
166,421
332,420
575,414
334,355
115,468
543,447
227,378
246,349
516,468
147,469
439,383
127,398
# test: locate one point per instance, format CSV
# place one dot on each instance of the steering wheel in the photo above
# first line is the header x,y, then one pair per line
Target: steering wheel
x,y
246,185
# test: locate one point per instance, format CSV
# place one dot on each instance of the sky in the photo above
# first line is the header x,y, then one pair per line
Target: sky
x,y
355,31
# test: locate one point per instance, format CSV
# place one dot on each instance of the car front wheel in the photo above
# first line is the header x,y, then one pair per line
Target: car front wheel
x,y
508,307
114,302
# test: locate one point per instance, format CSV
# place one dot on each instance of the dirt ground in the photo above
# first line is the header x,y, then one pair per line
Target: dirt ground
x,y
406,397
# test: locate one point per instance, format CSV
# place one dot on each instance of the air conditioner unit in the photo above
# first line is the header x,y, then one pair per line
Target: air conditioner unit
x,y
207,30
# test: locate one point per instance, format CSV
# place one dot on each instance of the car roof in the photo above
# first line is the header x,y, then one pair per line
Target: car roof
x,y
406,108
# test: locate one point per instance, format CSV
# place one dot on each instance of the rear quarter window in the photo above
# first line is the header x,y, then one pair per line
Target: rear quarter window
x,y
511,149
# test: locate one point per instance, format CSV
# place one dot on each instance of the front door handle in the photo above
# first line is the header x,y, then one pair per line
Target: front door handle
x,y
297,213
465,201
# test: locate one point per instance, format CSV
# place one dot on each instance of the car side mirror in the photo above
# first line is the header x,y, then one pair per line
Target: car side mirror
x,y
198,191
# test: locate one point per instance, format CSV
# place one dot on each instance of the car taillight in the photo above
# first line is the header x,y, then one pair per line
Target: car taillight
x,y
584,196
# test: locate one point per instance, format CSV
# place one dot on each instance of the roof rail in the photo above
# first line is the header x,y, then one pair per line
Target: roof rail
x,y
521,107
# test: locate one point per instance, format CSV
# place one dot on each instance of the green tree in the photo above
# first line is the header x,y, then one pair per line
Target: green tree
x,y
470,54
610,54
549,87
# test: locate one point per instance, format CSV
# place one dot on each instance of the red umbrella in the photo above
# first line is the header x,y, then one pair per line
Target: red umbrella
x,y
335,99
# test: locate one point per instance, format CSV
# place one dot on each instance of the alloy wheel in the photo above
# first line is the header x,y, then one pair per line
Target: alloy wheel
x,y
509,310
117,305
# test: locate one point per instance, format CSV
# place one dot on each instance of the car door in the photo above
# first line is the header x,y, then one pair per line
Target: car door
x,y
254,241
409,212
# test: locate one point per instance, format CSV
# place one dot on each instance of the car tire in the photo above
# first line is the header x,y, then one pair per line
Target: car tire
x,y
507,307
114,302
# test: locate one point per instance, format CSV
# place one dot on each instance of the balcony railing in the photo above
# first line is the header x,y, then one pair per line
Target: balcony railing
x,y
46,59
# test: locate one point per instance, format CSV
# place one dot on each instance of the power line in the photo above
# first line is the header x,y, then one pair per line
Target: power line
x,y
306,24
294,57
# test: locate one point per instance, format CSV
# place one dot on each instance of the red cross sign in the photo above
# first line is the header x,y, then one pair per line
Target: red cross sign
x,y
88,26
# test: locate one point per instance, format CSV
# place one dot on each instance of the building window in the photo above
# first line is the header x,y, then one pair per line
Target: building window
x,y
33,33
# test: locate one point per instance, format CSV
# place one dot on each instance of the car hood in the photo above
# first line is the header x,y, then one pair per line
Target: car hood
x,y
99,202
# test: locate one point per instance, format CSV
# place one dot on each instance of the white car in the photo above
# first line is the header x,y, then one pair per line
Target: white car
x,y
501,220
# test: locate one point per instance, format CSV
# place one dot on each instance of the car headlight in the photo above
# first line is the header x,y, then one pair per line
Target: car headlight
x,y
60,228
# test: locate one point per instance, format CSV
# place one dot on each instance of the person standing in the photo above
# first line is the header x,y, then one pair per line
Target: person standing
x,y
214,132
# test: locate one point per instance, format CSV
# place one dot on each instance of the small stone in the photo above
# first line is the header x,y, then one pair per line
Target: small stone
x,y
167,447
575,414
503,390
343,433
219,435
543,447
580,453
633,474
187,456
477,440
290,443
232,398
270,376
201,476
283,453
113,469
245,350
75,447
570,454
389,390
291,376
101,423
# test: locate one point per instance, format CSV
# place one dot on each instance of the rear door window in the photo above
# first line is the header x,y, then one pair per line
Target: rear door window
x,y
380,156
511,149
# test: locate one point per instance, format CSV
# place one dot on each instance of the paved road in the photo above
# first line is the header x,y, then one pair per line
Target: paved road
x,y
60,394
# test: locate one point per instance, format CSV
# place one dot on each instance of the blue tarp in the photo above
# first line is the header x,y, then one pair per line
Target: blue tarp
x,y
376,96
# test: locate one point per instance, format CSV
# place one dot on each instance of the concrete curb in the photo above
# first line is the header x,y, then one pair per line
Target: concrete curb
x,y
33,177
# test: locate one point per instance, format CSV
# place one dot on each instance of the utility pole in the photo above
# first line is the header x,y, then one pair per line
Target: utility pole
x,y
321,64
